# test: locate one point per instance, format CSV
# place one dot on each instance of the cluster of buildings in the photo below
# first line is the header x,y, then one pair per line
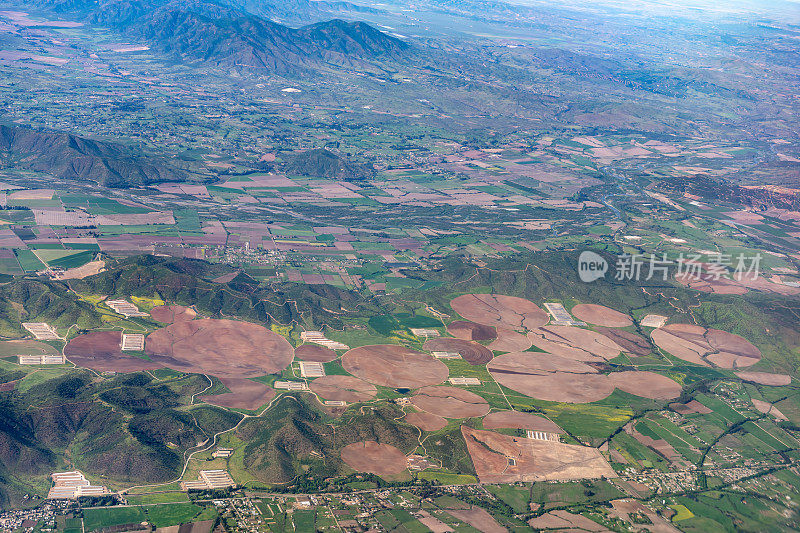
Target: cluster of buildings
x,y
73,485
125,308
40,330
561,316
132,342
317,337
311,369
42,359
210,480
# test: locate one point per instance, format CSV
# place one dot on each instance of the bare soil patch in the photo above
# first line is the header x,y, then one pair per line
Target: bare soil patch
x,y
223,348
394,366
501,458
519,420
575,343
550,377
101,351
478,518
500,310
26,347
470,331
705,346
601,315
565,520
765,378
509,340
630,342
690,407
244,394
168,314
344,388
471,352
426,421
450,402
646,384
370,456
315,353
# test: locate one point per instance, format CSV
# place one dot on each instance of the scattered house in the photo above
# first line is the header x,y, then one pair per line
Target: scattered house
x,y
446,355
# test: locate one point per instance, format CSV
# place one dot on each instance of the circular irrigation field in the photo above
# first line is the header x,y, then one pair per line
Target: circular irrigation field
x,y
343,388
223,348
601,315
561,379
509,340
394,366
470,331
499,310
471,352
370,456
315,353
450,402
706,346
426,421
631,343
168,314
646,384
575,343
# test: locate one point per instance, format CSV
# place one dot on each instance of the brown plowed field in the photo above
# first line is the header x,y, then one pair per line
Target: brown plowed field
x,y
470,331
394,366
550,377
426,421
765,378
509,340
500,310
575,343
630,343
601,315
344,388
222,348
705,346
168,314
646,384
471,352
535,460
315,352
100,351
450,402
245,394
519,420
369,456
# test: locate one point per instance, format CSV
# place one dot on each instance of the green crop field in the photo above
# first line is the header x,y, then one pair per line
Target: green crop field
x,y
96,519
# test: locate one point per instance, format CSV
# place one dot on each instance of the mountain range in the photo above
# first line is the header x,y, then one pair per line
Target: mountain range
x,y
69,156
226,35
